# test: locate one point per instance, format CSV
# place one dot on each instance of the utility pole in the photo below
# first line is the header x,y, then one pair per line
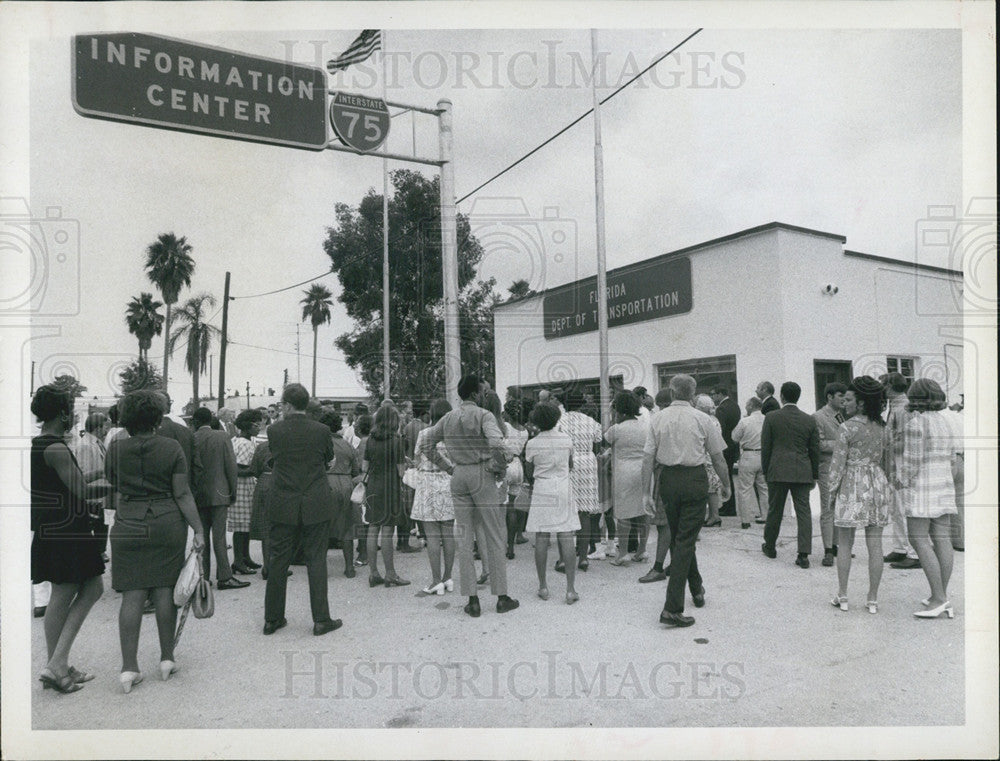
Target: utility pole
x,y
211,375
222,345
602,272
449,256
248,394
298,357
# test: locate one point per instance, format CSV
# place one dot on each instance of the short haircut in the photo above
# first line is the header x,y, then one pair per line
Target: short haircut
x,y
545,416
897,382
202,416
767,386
682,387
94,421
331,420
515,410
439,408
720,390
468,387
833,388
753,404
363,425
113,414
626,404
664,397
386,422
141,412
50,402
791,391
926,395
296,395
639,391
247,419
703,401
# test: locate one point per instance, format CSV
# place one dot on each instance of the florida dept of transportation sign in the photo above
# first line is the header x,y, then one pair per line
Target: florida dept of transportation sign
x,y
361,122
163,82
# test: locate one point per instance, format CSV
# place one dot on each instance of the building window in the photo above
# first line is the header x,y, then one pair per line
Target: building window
x,y
902,365
708,372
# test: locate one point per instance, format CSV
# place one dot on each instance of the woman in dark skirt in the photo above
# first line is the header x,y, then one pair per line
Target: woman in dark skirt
x,y
64,550
147,541
384,463
261,468
342,472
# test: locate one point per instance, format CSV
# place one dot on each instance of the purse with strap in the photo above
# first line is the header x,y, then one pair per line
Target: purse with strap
x,y
203,602
188,579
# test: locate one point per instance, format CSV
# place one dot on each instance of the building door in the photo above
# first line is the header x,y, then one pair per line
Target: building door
x,y
829,371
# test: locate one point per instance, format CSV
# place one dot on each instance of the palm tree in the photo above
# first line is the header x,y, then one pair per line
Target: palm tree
x,y
316,309
192,326
169,266
142,315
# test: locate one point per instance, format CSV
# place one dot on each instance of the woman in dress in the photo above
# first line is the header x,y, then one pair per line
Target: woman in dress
x,y
859,490
627,438
548,461
362,430
148,538
262,470
929,445
585,433
342,473
384,464
433,505
248,426
64,549
517,437
704,403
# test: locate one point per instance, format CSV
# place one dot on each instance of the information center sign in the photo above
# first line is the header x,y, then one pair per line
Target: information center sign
x,y
162,82
636,294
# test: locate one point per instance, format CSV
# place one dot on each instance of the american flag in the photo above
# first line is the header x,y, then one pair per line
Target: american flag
x,y
367,43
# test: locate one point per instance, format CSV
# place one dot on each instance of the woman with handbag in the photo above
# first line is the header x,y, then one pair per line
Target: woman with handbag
x,y
340,473
147,541
514,441
433,505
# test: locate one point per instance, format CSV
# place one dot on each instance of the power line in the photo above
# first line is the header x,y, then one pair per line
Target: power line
x,y
576,121
279,290
283,351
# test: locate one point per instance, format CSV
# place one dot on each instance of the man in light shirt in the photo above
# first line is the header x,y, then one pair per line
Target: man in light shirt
x,y
678,440
828,419
659,518
751,486
89,450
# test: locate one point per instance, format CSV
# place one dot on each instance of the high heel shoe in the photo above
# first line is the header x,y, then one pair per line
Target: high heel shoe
x,y
572,597
449,585
839,602
434,589
872,606
64,684
129,679
166,669
543,592
944,608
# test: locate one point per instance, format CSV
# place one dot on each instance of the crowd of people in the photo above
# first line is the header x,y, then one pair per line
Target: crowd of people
x,y
469,483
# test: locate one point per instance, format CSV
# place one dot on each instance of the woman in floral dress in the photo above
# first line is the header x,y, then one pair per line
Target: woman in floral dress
x,y
859,490
585,432
433,506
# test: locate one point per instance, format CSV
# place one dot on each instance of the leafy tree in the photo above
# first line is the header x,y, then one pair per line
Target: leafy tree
x,y
69,384
193,327
142,315
316,309
140,374
169,267
520,289
416,324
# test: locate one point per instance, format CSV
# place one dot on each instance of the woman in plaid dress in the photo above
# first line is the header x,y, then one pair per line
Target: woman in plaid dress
x,y
248,424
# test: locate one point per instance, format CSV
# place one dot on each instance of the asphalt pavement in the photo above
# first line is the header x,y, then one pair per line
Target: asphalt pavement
x,y
768,649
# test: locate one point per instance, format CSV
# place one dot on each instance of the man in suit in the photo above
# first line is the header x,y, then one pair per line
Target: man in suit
x,y
789,457
179,433
214,491
728,414
765,392
299,509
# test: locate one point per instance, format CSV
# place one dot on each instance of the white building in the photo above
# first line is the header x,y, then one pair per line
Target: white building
x,y
775,302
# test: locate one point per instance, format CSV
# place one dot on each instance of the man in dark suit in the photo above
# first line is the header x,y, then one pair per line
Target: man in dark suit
x,y
181,434
728,414
299,509
765,392
789,457
214,491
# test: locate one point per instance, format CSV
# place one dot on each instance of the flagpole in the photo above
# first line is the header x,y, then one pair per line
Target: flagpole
x,y
385,249
602,274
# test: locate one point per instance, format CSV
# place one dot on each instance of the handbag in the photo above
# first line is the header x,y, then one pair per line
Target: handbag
x,y
188,579
410,478
203,603
358,494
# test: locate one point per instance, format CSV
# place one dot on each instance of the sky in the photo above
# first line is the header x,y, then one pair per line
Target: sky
x,y
854,132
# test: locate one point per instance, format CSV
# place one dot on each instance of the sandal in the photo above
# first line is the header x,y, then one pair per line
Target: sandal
x,y
80,676
839,602
64,685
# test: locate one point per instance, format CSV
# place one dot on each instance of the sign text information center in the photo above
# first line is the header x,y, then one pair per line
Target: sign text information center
x,y
170,83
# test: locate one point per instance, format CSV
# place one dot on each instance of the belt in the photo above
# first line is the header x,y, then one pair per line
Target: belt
x,y
744,449
146,497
